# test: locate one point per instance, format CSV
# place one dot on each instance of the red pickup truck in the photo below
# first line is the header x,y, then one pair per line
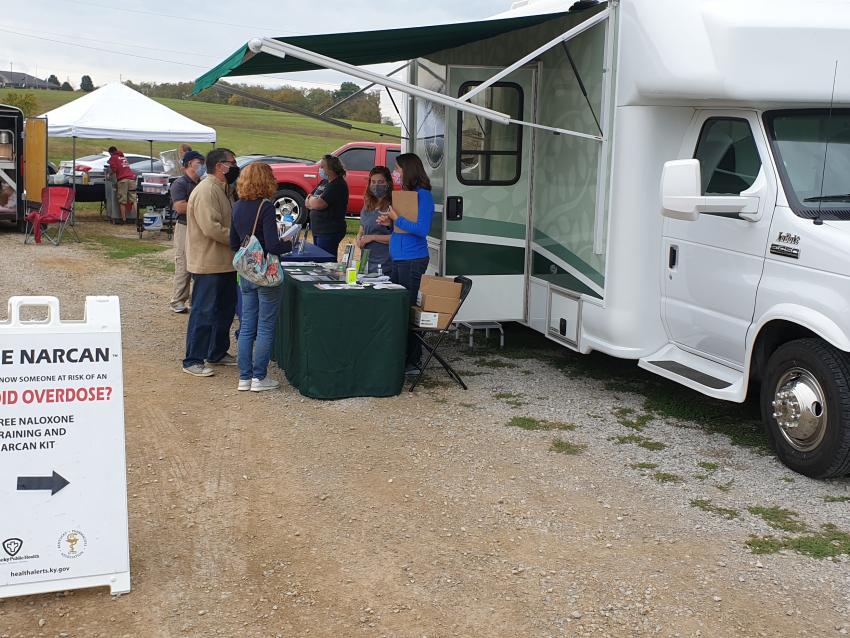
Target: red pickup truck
x,y
296,181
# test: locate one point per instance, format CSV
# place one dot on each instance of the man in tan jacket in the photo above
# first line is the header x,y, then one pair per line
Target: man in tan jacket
x,y
210,260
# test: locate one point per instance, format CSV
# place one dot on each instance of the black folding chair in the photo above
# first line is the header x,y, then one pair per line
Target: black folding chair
x,y
421,333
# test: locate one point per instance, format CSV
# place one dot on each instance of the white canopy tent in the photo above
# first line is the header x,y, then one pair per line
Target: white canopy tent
x,y
118,112
115,111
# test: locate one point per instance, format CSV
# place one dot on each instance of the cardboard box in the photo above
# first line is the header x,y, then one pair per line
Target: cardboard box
x,y
440,287
435,303
406,204
423,319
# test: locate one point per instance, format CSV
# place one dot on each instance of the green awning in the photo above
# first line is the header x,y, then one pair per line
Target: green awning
x,y
368,47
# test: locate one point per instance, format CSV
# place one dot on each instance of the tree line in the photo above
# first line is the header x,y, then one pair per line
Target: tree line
x,y
364,107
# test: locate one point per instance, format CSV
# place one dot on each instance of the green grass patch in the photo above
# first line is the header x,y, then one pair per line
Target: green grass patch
x,y
786,479
643,466
725,487
510,398
707,506
116,247
530,423
830,542
494,363
779,518
667,477
708,466
836,499
562,446
764,544
640,441
624,417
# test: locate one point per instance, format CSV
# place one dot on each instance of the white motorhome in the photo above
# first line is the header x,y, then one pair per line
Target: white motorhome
x,y
661,180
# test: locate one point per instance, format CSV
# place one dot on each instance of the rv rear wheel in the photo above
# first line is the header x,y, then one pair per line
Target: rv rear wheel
x,y
805,405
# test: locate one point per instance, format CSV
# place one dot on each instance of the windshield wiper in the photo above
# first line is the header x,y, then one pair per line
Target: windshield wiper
x,y
828,198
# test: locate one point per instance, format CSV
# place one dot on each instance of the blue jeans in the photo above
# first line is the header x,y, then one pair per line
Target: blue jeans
x,y
213,307
408,273
256,329
329,242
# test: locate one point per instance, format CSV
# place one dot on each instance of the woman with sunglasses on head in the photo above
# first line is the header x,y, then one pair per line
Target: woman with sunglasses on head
x,y
373,236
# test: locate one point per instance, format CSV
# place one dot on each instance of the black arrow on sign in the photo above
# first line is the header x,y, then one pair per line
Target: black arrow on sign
x,y
53,483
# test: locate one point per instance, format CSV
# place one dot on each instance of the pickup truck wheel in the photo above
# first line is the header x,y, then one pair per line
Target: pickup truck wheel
x,y
805,405
290,202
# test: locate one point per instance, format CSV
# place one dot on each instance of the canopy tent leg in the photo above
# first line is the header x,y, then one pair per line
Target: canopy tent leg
x,y
74,176
150,146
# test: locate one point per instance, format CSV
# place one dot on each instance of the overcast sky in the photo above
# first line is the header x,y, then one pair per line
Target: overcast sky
x,y
197,35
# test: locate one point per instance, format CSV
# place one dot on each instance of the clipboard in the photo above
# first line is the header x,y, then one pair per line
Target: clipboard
x,y
406,204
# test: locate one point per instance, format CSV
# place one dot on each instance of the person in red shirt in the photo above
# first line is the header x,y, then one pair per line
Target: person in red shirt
x,y
126,182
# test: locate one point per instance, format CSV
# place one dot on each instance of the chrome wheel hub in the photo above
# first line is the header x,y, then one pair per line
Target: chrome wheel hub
x,y
799,407
286,206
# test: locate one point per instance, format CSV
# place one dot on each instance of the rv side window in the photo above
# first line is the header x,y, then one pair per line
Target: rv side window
x,y
728,156
489,153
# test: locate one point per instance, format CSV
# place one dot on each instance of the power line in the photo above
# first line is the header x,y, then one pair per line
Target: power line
x,y
145,57
176,17
83,46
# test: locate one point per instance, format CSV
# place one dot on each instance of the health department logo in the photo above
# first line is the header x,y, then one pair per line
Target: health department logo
x,y
12,546
72,544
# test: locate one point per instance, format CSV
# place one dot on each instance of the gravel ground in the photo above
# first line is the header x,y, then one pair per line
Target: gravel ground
x,y
427,514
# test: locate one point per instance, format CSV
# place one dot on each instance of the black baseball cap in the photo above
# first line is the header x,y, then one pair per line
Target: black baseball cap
x,y
190,155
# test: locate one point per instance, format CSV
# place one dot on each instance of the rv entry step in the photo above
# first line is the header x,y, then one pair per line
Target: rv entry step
x,y
694,371
486,326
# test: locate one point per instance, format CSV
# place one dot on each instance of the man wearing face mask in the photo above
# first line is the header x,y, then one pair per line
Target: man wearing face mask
x,y
194,169
210,260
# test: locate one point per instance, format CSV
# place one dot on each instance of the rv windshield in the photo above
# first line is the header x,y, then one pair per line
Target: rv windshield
x,y
812,148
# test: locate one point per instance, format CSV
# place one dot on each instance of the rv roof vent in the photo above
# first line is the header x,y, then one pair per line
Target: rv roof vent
x,y
518,4
584,4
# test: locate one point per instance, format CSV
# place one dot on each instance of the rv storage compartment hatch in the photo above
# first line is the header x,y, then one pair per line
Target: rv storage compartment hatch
x,y
564,314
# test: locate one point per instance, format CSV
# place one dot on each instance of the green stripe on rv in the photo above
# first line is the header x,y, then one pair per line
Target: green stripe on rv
x,y
492,227
467,258
544,269
544,241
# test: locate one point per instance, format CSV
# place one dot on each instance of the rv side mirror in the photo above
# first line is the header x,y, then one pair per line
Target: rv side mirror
x,y
681,190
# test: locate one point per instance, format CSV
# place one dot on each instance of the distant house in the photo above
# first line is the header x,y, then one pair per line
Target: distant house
x,y
15,80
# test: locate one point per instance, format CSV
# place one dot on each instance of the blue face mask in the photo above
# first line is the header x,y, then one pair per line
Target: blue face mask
x,y
322,173
201,171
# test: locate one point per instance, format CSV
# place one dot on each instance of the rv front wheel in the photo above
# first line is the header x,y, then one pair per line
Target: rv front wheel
x,y
805,404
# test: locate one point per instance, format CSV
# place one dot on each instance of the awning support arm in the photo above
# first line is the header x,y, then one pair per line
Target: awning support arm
x,y
282,49
395,106
581,86
564,37
226,88
364,89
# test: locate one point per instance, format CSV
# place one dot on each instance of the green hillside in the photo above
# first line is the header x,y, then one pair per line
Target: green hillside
x,y
244,130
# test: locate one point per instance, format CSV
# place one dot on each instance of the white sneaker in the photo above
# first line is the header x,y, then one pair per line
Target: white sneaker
x,y
199,370
261,385
244,384
179,307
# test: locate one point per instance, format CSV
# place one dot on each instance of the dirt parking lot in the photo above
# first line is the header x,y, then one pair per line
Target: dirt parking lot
x,y
559,496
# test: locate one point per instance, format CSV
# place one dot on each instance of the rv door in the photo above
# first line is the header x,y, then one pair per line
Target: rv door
x,y
488,178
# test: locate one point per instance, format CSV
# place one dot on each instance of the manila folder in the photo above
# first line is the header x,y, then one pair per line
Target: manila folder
x,y
406,204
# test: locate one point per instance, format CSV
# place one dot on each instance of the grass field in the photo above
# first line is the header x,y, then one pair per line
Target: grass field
x,y
244,130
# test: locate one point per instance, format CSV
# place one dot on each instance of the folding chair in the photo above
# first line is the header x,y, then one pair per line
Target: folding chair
x,y
421,333
57,207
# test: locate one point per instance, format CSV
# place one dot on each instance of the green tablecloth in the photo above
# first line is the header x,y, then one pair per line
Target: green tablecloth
x,y
334,344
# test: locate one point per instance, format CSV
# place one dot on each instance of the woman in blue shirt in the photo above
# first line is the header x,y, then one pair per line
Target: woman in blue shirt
x,y
409,250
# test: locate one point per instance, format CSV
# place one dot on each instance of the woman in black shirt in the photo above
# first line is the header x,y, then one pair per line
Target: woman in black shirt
x,y
328,204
